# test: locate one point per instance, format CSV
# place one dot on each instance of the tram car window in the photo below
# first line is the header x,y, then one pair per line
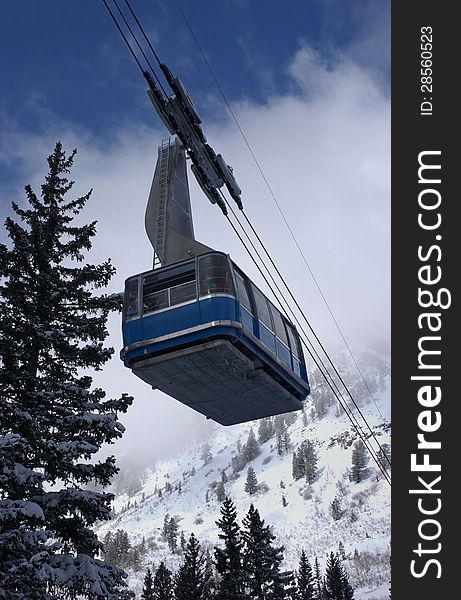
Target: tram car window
x,y
215,275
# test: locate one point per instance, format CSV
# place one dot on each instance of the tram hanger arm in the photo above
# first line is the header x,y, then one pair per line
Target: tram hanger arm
x,y
180,117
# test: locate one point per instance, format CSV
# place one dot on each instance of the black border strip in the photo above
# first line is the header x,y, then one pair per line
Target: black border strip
x,y
414,131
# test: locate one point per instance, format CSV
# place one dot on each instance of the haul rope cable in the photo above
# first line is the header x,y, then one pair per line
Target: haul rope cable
x,y
258,165
371,451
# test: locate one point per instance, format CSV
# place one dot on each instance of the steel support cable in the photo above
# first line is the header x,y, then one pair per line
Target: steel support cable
x,y
314,334
140,47
250,149
143,71
143,32
317,359
123,36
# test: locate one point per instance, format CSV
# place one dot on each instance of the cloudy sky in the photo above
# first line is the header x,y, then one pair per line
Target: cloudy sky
x,y
308,81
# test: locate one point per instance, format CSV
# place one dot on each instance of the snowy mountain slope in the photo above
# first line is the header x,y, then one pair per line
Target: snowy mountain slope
x,y
185,488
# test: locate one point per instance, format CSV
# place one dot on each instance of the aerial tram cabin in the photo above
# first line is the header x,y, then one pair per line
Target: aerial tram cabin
x,y
196,327
202,332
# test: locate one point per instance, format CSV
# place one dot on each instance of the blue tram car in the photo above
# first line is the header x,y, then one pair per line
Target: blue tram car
x,y
202,332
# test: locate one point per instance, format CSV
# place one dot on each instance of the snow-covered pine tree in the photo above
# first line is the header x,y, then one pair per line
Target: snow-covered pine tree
x,y
318,583
166,521
205,454
265,430
182,541
310,460
337,586
163,583
251,483
52,420
304,416
335,508
305,579
220,492
148,587
117,548
298,468
261,560
228,560
172,534
251,449
384,456
359,462
341,551
279,442
192,582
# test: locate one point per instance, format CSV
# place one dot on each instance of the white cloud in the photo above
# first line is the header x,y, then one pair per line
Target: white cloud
x,y
325,150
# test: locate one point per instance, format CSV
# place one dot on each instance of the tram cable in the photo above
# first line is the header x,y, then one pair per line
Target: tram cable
x,y
336,392
272,193
138,23
314,334
130,48
123,35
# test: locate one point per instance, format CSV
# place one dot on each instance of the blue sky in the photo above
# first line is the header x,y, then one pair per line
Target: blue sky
x,y
66,58
309,83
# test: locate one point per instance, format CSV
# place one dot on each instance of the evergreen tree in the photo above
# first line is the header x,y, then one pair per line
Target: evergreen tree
x,y
220,492
384,456
337,585
265,430
182,541
251,483
359,462
304,416
166,521
336,510
192,581
224,476
163,583
117,548
52,420
228,560
279,423
305,579
310,460
286,441
318,584
206,455
298,468
172,535
108,546
251,449
261,560
148,588
341,551
279,442
170,532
